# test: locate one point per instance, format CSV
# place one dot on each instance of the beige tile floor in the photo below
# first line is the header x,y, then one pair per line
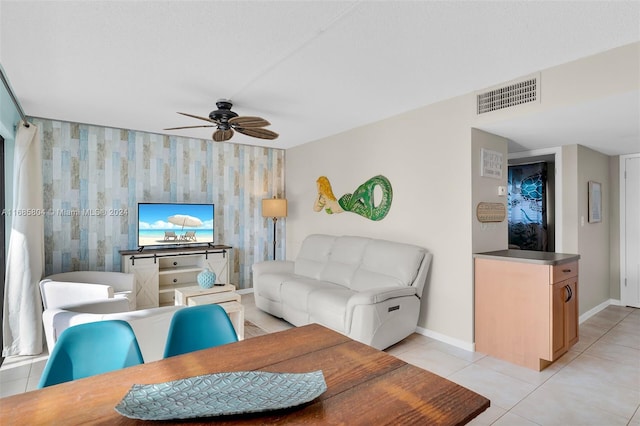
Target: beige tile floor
x,y
596,383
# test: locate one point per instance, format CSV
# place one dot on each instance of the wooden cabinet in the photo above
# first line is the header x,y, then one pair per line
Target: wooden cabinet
x,y
159,272
526,312
146,273
565,317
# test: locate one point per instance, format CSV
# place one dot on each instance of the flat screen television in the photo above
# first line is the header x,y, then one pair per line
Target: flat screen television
x,y
162,224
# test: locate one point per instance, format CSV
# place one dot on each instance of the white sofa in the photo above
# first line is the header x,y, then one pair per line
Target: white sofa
x,y
103,296
151,326
367,289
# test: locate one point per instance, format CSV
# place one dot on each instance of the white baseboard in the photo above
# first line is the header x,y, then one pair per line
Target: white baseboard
x,y
593,311
471,347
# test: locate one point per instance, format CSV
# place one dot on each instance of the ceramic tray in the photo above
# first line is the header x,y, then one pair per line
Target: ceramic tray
x,y
221,394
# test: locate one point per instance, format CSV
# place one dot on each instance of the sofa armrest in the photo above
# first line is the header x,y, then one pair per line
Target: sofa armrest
x,y
56,320
150,325
107,306
60,293
272,266
120,281
373,296
377,295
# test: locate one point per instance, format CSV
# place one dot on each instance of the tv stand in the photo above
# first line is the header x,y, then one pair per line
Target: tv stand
x,y
161,270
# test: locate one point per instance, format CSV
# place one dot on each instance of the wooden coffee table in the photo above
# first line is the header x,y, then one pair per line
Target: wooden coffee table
x,y
223,295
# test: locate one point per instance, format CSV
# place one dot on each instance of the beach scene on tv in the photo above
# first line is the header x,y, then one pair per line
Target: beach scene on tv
x,y
169,224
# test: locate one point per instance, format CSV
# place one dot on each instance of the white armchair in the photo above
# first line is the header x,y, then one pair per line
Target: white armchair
x,y
77,287
79,297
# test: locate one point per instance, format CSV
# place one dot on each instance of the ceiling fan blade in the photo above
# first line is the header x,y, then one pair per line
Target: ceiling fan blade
x,y
258,133
188,127
245,122
222,135
198,117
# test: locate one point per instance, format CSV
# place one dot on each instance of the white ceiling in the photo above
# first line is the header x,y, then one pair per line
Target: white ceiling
x,y
312,68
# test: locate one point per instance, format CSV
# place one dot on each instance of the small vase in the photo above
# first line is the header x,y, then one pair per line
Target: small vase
x,y
206,278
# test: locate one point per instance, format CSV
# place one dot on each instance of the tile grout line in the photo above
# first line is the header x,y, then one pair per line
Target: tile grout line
x,y
562,368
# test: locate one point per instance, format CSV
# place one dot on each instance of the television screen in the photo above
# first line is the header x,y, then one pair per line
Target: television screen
x,y
174,223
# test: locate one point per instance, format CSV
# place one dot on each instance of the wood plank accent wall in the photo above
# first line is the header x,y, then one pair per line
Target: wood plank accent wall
x,y
88,168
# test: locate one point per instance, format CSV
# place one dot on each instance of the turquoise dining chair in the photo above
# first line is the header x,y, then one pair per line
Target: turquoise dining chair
x,y
198,327
85,350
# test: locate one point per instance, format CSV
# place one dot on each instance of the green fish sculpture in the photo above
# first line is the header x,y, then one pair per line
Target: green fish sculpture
x,y
361,201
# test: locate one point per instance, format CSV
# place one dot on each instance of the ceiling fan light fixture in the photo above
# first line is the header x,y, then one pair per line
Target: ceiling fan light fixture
x,y
222,135
226,121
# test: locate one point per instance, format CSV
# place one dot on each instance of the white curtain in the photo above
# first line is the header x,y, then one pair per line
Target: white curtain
x,y
22,321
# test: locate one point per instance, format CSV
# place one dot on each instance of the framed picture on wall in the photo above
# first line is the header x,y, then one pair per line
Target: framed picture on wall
x,y
491,164
595,202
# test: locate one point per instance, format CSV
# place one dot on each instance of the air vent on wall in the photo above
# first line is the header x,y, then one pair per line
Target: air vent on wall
x,y
517,93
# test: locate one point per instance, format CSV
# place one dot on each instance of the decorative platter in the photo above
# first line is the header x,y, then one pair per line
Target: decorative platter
x,y
221,394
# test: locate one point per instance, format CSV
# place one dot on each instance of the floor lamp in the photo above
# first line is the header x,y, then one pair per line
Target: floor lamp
x,y
274,208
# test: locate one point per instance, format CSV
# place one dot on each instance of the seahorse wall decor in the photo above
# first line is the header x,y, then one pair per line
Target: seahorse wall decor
x,y
360,202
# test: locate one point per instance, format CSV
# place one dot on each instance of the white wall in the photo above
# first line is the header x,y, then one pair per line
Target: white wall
x,y
614,227
593,238
570,214
429,157
426,156
494,235
608,74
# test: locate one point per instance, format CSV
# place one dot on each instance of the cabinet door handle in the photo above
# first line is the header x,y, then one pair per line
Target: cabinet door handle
x,y
571,290
569,293
566,271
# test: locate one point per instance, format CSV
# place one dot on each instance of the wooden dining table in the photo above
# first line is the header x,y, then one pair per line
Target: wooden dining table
x,y
365,386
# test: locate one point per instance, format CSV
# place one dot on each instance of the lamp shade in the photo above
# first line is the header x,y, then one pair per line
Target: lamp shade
x,y
274,207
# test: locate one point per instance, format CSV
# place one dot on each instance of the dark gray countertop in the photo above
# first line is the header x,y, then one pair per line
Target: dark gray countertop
x,y
529,256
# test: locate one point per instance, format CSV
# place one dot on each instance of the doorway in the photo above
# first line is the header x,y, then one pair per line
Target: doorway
x,y
630,230
552,160
530,187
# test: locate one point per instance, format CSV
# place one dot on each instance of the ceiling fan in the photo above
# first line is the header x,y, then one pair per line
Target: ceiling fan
x,y
227,121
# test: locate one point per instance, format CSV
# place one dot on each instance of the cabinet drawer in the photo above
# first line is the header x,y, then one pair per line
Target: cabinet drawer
x,y
167,298
564,271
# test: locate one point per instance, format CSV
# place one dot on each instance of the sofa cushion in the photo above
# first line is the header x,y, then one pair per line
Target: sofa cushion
x,y
296,291
296,296
313,255
344,259
329,306
387,263
270,285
